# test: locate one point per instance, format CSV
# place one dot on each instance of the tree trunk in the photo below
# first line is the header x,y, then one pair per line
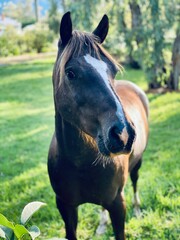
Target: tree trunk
x,y
157,37
36,10
173,82
136,23
136,18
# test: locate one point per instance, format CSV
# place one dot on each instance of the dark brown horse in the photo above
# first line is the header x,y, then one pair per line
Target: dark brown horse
x,y
101,128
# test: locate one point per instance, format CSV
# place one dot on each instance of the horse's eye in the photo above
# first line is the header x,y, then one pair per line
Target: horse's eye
x,y
70,74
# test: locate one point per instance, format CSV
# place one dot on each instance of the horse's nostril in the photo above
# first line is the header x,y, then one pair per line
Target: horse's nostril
x,y
115,144
114,132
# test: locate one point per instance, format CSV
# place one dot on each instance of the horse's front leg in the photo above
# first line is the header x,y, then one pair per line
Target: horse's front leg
x,y
70,217
117,211
134,178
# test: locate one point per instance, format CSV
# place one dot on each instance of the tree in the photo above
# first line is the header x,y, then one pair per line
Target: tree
x,y
155,69
143,25
122,18
136,26
173,82
53,16
83,13
158,16
36,10
129,25
22,11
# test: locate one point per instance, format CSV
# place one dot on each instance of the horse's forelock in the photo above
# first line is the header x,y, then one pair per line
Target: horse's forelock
x,y
76,47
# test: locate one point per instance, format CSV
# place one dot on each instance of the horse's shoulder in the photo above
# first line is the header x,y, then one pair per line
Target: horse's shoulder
x,y
125,87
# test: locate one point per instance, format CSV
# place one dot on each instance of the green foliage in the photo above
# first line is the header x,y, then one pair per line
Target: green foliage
x,y
11,231
143,27
41,39
28,40
155,25
27,125
83,13
28,22
10,43
23,11
140,31
53,16
37,40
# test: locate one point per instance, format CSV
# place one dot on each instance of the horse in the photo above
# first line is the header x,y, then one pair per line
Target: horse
x,y
101,128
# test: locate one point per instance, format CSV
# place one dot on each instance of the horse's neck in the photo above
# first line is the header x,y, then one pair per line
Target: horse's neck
x,y
74,145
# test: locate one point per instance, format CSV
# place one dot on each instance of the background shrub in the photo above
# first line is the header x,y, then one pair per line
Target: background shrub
x,y
38,39
10,43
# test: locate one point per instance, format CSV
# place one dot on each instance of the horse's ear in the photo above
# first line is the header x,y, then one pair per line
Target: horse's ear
x,y
66,28
102,29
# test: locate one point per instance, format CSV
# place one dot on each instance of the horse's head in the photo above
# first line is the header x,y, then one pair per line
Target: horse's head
x,y
83,88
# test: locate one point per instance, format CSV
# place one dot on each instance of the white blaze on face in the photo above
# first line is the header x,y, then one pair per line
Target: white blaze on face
x,y
100,66
102,69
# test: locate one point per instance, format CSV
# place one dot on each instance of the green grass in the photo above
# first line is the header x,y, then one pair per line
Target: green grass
x,y
26,127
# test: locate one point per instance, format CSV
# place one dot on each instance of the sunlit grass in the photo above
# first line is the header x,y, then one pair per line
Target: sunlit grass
x,y
135,76
26,127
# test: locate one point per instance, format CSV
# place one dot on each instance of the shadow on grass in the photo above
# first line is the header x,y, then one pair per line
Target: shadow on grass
x,y
33,91
25,68
24,143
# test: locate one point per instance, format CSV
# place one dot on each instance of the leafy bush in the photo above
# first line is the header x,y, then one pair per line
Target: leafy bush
x,y
10,43
37,40
28,40
41,40
11,231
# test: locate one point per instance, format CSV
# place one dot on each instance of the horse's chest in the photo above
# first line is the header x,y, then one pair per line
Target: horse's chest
x,y
98,188
95,185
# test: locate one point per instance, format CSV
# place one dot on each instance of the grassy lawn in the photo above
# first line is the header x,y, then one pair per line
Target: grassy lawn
x,y
26,127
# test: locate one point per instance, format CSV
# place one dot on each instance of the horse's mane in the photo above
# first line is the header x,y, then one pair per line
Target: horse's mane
x,y
75,47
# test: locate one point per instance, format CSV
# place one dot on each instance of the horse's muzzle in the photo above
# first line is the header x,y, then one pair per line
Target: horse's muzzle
x,y
118,139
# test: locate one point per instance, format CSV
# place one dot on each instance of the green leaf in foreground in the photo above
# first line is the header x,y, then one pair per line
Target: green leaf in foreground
x,y
34,232
2,233
8,232
29,210
20,231
6,223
